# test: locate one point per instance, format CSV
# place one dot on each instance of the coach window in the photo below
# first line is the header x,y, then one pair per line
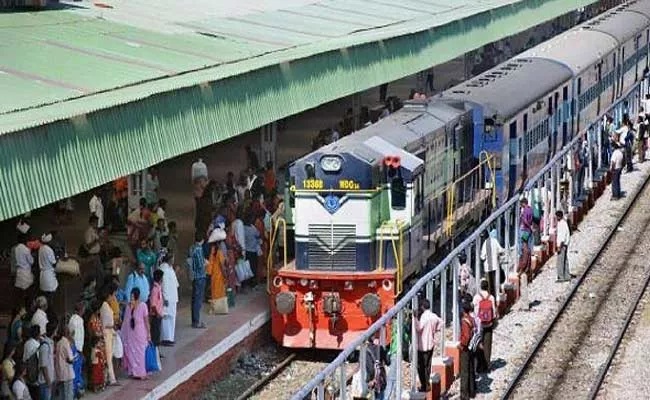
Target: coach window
x,y
310,171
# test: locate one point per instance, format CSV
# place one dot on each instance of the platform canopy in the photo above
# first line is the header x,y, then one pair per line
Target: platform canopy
x,y
91,91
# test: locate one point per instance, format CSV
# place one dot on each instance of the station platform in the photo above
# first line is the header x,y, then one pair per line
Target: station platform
x,y
200,355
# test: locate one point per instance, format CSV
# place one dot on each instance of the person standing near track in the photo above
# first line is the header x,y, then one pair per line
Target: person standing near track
x,y
427,326
196,266
467,378
616,165
485,307
490,252
563,239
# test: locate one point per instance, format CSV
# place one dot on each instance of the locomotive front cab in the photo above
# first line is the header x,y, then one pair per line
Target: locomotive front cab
x,y
353,212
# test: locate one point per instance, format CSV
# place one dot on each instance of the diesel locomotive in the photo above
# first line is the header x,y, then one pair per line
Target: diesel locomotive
x,y
370,210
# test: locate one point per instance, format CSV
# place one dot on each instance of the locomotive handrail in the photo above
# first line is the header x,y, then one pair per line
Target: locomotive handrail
x,y
488,159
451,190
451,194
269,261
397,252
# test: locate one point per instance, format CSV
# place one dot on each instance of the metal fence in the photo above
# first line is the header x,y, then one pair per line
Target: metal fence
x,y
560,185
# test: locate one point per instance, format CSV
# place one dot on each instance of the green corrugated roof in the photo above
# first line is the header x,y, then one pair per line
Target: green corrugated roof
x,y
180,92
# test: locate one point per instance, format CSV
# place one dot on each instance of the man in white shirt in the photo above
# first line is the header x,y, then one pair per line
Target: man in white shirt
x,y
562,240
646,105
616,165
427,326
40,316
76,327
490,253
24,276
47,263
91,237
170,301
97,209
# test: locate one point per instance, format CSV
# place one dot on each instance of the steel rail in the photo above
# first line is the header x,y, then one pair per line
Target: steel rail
x,y
514,383
260,383
595,388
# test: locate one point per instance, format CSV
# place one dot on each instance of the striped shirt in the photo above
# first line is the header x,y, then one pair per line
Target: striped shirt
x,y
197,269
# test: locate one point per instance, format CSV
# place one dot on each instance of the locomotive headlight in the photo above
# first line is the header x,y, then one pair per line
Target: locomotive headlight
x,y
331,163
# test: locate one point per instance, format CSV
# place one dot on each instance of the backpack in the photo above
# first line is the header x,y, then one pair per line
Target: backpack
x,y
485,311
33,369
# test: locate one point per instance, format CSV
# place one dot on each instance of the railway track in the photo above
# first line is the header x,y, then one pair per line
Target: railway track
x,y
571,358
291,373
608,386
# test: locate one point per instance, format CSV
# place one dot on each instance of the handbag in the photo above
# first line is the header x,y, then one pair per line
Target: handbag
x,y
152,362
118,348
69,266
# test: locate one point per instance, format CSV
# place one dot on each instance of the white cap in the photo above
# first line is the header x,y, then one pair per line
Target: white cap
x,y
46,238
22,227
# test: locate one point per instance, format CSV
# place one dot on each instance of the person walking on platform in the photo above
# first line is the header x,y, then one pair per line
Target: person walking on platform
x,y
197,264
485,308
467,379
616,165
490,252
427,325
563,239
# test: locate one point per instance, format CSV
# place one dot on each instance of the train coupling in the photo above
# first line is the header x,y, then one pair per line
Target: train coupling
x,y
332,306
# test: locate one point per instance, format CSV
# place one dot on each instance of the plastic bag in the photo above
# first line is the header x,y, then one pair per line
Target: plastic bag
x,y
152,362
243,270
118,348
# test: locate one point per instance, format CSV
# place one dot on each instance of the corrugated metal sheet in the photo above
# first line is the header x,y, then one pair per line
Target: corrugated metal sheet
x,y
177,115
